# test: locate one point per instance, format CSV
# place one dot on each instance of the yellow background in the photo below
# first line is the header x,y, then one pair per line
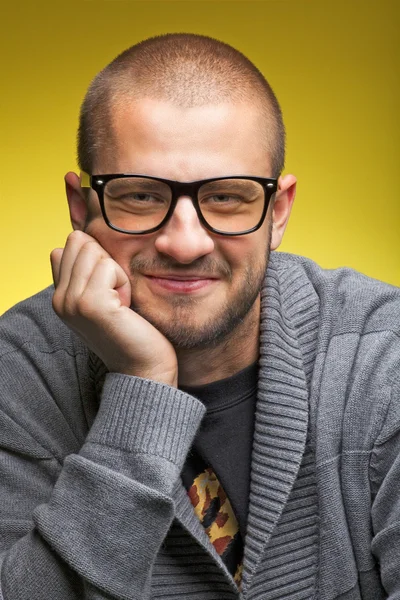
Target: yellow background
x,y
333,64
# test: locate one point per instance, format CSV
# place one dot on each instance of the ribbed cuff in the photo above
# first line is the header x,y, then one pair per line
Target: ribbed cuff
x,y
140,415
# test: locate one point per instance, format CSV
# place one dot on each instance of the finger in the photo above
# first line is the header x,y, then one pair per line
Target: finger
x,y
75,242
125,293
81,272
55,261
108,286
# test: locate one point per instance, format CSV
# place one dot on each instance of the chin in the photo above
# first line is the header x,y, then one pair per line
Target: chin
x,y
185,329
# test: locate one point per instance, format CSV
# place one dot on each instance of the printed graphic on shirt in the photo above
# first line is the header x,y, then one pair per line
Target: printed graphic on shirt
x,y
218,519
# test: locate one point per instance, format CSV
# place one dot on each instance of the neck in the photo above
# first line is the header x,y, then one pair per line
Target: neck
x,y
234,353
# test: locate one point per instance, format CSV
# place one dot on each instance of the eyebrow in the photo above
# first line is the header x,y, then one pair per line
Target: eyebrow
x,y
233,184
150,184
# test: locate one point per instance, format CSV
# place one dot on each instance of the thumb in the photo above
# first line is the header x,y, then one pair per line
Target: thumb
x,y
123,286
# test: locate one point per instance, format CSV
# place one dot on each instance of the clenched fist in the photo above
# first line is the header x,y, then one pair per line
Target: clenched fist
x,y
93,297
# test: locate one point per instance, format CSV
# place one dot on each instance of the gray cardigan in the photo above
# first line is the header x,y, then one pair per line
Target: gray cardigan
x,y
91,502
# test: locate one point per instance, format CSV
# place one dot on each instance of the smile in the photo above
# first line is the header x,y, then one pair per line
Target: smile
x,y
182,284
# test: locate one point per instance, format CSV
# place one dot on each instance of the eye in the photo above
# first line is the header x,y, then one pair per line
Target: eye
x,y
221,199
140,197
224,198
137,191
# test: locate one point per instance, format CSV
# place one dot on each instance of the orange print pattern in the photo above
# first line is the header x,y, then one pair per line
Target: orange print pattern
x,y
208,497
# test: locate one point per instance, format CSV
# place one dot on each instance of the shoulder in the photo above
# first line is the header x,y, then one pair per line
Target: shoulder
x,y
46,385
33,322
356,372
349,302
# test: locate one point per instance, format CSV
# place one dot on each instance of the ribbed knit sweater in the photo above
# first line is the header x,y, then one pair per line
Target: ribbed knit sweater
x,y
91,501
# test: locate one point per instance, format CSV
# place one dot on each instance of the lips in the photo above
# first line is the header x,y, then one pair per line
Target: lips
x,y
179,277
180,283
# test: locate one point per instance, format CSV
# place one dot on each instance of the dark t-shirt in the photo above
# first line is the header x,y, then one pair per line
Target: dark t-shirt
x,y
225,438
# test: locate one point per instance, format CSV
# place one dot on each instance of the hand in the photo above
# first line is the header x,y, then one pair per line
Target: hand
x,y
93,296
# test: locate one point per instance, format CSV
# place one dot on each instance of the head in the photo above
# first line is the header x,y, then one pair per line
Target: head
x,y
185,107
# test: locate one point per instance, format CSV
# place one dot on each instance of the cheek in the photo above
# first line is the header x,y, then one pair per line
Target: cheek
x,y
119,246
245,253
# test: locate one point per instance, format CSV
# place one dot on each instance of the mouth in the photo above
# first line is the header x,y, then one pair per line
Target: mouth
x,y
183,284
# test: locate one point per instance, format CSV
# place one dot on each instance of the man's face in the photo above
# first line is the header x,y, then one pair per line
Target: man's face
x,y
193,285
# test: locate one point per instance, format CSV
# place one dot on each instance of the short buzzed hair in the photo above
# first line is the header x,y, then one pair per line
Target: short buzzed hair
x,y
183,68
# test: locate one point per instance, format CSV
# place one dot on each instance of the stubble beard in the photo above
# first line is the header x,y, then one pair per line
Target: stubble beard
x,y
182,330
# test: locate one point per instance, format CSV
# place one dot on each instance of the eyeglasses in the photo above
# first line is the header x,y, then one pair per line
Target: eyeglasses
x,y
140,204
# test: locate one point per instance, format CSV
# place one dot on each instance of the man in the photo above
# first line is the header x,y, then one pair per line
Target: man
x,y
196,425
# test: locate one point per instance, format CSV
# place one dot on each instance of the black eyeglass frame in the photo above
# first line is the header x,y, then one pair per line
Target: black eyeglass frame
x,y
178,189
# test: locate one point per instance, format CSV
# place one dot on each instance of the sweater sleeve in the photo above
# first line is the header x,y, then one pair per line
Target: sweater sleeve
x,y
385,479
86,525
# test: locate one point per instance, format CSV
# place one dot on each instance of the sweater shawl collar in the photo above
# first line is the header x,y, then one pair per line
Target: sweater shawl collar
x,y
288,338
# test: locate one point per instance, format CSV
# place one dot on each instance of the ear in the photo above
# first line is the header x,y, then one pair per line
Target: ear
x,y
78,208
283,203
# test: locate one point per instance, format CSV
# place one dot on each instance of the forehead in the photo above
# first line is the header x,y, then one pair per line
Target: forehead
x,y
156,137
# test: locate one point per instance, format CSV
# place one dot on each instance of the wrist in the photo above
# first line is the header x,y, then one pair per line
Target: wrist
x,y
167,376
139,415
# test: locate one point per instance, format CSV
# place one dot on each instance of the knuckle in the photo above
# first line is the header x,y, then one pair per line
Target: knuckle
x,y
108,262
85,306
69,305
74,307
90,247
75,236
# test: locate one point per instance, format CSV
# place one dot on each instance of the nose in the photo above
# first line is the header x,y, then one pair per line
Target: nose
x,y
183,237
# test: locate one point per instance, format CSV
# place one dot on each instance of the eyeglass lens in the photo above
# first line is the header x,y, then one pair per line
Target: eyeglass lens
x,y
138,204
